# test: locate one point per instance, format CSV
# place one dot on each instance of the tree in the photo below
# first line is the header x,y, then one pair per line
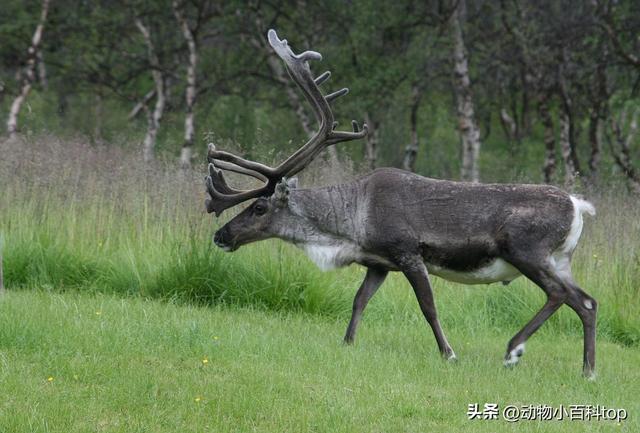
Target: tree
x,y
620,146
28,75
191,75
411,150
153,116
256,35
468,127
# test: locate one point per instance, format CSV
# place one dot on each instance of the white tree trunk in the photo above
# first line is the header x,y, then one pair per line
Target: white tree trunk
x,y
141,105
190,98
153,117
12,122
28,75
186,155
509,125
469,131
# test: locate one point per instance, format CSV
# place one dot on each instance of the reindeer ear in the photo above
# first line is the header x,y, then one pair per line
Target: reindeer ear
x,y
281,194
292,183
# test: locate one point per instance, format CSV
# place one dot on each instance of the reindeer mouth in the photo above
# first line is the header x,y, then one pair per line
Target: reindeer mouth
x,y
224,247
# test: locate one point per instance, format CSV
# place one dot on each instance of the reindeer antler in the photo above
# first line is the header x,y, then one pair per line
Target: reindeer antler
x,y
222,195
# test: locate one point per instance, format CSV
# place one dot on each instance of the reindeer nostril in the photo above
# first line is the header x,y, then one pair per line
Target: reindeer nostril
x,y
220,238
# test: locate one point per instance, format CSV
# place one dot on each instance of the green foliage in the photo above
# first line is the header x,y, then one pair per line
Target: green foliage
x,y
98,68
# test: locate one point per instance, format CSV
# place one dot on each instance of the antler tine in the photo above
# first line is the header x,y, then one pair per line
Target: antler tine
x,y
340,136
322,78
219,201
252,166
222,195
218,182
337,94
237,169
336,137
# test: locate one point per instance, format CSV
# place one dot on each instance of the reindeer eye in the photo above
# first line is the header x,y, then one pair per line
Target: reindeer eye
x,y
259,209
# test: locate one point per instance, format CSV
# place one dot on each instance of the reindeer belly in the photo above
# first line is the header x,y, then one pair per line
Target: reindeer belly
x,y
496,270
467,260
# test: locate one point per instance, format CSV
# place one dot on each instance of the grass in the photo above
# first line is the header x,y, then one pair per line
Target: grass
x,y
85,233
83,220
79,362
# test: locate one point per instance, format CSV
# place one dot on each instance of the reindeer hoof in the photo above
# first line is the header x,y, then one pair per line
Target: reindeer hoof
x,y
450,357
514,356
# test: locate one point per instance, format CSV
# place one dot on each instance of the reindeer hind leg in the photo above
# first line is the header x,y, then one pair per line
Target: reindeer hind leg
x,y
545,276
553,275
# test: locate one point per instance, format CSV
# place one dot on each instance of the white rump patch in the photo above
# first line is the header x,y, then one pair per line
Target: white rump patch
x,y
497,270
514,355
579,207
561,257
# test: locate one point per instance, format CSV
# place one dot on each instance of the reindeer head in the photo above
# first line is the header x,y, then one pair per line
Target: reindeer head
x,y
267,216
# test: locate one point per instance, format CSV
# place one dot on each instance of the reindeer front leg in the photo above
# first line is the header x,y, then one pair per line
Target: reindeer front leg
x,y
372,281
416,273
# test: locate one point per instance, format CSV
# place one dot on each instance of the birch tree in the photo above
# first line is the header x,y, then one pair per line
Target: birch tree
x,y
467,124
153,116
188,33
28,74
259,42
567,122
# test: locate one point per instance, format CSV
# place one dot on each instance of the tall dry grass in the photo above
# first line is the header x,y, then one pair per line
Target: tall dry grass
x,y
96,218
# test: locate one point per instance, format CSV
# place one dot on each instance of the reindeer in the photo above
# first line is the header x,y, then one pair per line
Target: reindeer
x,y
393,220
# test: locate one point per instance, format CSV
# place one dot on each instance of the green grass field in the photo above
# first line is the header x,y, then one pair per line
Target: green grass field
x,y
116,296
83,363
